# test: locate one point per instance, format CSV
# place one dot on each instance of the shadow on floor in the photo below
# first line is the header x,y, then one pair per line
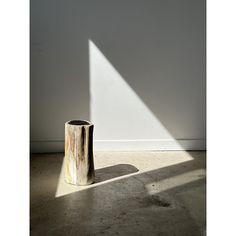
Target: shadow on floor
x,y
115,171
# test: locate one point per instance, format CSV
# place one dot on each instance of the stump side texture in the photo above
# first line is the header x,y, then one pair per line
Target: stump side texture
x,y
79,165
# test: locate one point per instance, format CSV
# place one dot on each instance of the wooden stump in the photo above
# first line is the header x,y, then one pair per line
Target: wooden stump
x,y
79,166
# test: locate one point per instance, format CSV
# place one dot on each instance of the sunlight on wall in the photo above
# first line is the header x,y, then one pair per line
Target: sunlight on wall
x,y
122,120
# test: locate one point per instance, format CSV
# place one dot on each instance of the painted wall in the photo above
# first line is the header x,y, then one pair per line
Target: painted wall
x,y
135,68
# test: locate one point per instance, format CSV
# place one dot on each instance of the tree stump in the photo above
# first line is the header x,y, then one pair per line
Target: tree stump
x,y
79,166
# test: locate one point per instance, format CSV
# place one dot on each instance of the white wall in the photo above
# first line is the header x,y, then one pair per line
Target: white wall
x,y
135,68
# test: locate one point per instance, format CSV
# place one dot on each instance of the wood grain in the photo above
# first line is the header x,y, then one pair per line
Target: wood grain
x,y
79,165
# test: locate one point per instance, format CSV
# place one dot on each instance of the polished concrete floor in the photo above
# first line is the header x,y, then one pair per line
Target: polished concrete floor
x,y
136,193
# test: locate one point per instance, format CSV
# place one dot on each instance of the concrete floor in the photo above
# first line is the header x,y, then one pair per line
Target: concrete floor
x,y
136,193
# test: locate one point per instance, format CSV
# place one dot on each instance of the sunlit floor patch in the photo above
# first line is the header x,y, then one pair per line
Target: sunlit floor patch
x,y
112,166
176,181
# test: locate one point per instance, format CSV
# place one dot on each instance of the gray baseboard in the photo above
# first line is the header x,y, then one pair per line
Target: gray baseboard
x,y
125,145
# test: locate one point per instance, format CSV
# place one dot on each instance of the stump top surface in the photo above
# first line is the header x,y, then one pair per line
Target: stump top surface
x,y
79,123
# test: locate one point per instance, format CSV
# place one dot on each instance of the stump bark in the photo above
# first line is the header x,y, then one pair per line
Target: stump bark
x,y
79,165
